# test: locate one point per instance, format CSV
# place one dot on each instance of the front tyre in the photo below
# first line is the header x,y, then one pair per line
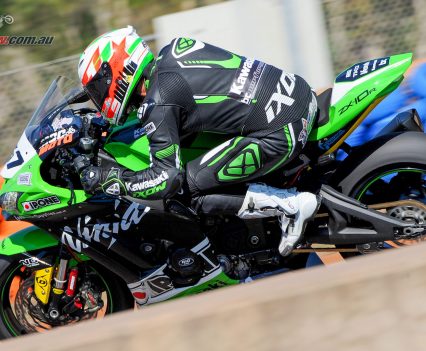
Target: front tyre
x,y
22,313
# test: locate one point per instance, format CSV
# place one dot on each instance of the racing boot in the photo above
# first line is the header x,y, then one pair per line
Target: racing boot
x,y
293,209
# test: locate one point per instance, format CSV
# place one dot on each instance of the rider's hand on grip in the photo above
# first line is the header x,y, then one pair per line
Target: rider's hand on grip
x,y
81,162
91,178
95,179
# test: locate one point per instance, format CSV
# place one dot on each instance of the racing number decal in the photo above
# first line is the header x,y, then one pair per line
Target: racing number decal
x,y
23,152
16,160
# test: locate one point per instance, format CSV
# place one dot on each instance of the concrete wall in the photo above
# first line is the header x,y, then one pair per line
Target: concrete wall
x,y
370,303
289,34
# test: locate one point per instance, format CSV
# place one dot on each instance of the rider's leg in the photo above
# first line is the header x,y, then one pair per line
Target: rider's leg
x,y
243,159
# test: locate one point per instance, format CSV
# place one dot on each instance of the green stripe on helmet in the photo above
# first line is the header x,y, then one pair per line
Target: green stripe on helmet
x,y
134,45
147,59
106,53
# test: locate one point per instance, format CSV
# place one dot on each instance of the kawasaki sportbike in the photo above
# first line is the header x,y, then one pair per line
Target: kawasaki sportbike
x,y
87,256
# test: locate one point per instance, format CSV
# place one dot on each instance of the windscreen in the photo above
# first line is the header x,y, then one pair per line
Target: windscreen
x,y
54,118
55,100
52,125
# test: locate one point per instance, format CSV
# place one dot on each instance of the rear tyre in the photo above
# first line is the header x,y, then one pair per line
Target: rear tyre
x,y
386,170
398,151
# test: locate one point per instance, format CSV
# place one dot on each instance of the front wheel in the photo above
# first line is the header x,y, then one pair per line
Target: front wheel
x,y
98,293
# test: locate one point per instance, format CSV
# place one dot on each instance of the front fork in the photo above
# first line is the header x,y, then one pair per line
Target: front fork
x,y
46,288
58,288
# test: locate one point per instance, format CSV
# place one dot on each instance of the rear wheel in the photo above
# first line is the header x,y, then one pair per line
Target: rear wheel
x,y
395,183
99,293
386,169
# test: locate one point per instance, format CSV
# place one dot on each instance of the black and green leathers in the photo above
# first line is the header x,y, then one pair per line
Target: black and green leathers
x,y
196,87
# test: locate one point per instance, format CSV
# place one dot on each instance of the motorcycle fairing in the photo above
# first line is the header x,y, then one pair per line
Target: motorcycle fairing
x,y
358,87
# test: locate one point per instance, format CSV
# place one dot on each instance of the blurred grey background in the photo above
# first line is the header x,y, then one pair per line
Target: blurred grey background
x,y
313,38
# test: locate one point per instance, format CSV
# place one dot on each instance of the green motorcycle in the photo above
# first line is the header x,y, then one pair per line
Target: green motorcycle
x,y
91,255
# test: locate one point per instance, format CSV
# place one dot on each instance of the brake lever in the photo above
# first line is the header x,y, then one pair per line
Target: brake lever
x,y
71,187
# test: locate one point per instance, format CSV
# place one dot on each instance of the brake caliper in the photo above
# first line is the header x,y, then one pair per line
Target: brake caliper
x,y
43,284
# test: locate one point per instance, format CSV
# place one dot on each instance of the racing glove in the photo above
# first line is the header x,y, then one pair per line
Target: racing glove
x,y
95,179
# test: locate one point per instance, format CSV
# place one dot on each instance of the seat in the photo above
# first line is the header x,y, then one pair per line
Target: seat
x,y
323,101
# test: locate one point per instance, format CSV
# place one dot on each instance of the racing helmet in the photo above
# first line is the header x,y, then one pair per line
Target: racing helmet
x,y
110,69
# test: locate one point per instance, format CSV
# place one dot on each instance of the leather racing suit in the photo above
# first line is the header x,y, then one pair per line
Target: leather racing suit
x,y
195,87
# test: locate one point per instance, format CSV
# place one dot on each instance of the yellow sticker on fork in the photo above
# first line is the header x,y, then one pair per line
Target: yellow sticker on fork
x,y
42,284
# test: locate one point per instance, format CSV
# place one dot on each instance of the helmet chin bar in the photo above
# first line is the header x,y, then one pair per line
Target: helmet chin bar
x,y
108,67
134,102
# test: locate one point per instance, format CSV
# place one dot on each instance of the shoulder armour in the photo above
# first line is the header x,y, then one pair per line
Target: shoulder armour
x,y
184,46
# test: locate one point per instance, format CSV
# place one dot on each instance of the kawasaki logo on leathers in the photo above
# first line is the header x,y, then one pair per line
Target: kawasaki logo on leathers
x,y
134,187
288,82
246,80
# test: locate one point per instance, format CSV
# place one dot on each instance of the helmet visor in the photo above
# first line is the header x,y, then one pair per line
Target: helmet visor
x,y
99,85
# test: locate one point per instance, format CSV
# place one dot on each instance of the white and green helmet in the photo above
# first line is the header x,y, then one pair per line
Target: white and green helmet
x,y
111,67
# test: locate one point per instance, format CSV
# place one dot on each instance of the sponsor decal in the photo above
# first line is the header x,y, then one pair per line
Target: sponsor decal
x,y
101,232
145,109
138,133
361,69
40,216
303,135
185,262
30,262
61,137
134,187
357,100
307,123
215,285
151,191
33,261
246,80
24,179
287,82
40,203
150,128
62,122
42,281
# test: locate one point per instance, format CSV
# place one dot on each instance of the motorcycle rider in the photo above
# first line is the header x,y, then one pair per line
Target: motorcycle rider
x,y
192,87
